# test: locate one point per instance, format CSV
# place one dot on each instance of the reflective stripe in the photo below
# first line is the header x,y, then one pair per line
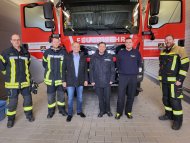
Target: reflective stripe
x,y
45,59
60,103
11,113
46,80
28,108
174,63
58,82
172,91
178,112
159,78
61,65
117,114
168,108
11,85
182,72
184,61
3,72
2,59
129,114
13,57
171,78
27,83
51,105
164,53
56,56
13,71
181,96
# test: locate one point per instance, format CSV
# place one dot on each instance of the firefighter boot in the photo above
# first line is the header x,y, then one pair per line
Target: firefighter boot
x,y
29,116
11,121
51,112
62,110
177,123
166,116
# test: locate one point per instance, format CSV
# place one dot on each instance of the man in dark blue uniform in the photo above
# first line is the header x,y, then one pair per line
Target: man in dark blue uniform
x,y
128,62
102,75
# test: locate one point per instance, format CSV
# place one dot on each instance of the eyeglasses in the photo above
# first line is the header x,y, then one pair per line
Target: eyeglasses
x,y
15,39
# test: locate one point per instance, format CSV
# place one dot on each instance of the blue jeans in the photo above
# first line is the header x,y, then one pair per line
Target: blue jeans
x,y
71,91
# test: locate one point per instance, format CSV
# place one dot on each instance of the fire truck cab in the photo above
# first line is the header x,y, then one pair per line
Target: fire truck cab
x,y
111,21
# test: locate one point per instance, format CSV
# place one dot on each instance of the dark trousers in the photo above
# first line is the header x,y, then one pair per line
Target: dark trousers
x,y
127,84
104,98
172,96
12,101
55,97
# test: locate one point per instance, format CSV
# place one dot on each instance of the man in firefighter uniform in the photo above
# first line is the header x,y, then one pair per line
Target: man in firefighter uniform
x,y
174,64
14,64
52,62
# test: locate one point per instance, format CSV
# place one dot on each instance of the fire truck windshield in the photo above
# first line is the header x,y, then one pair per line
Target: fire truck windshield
x,y
101,18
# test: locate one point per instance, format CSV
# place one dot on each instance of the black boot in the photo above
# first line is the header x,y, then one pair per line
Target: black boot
x,y
29,116
11,121
177,122
167,116
62,110
51,112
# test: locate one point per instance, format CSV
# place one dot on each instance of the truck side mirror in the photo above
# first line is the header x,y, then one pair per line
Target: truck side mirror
x,y
48,10
49,24
153,20
154,7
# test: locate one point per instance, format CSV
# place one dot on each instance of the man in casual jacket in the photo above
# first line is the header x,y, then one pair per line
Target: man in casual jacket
x,y
102,75
128,62
174,64
14,63
53,60
75,78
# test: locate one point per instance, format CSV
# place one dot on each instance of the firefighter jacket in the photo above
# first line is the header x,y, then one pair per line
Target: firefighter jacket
x,y
53,63
15,66
174,64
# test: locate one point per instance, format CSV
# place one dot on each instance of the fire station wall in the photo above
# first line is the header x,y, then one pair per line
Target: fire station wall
x,y
152,66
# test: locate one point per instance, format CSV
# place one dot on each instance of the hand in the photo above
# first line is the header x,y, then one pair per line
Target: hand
x,y
85,83
111,82
64,84
93,83
178,83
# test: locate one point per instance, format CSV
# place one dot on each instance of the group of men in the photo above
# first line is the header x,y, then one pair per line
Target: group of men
x,y
69,71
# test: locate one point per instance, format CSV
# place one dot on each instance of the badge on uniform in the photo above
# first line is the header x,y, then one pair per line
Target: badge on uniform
x,y
133,56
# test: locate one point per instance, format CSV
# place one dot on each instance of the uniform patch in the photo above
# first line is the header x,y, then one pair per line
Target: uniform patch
x,y
107,60
132,56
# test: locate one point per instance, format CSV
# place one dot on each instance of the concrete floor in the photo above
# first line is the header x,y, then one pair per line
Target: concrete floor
x,y
143,128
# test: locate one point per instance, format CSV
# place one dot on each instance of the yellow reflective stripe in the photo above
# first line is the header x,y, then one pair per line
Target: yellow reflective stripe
x,y
129,114
3,72
13,71
25,84
2,59
172,91
27,73
48,72
11,113
174,63
184,61
164,53
182,72
171,78
60,103
117,114
168,108
181,96
61,65
51,105
45,60
178,112
28,108
11,85
159,77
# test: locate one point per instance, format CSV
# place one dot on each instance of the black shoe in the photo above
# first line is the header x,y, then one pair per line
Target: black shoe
x,y
117,116
69,117
101,114
81,114
176,125
50,115
129,116
109,114
10,123
30,118
63,112
165,117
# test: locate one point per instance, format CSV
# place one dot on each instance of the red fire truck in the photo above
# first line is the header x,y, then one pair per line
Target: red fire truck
x,y
111,21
